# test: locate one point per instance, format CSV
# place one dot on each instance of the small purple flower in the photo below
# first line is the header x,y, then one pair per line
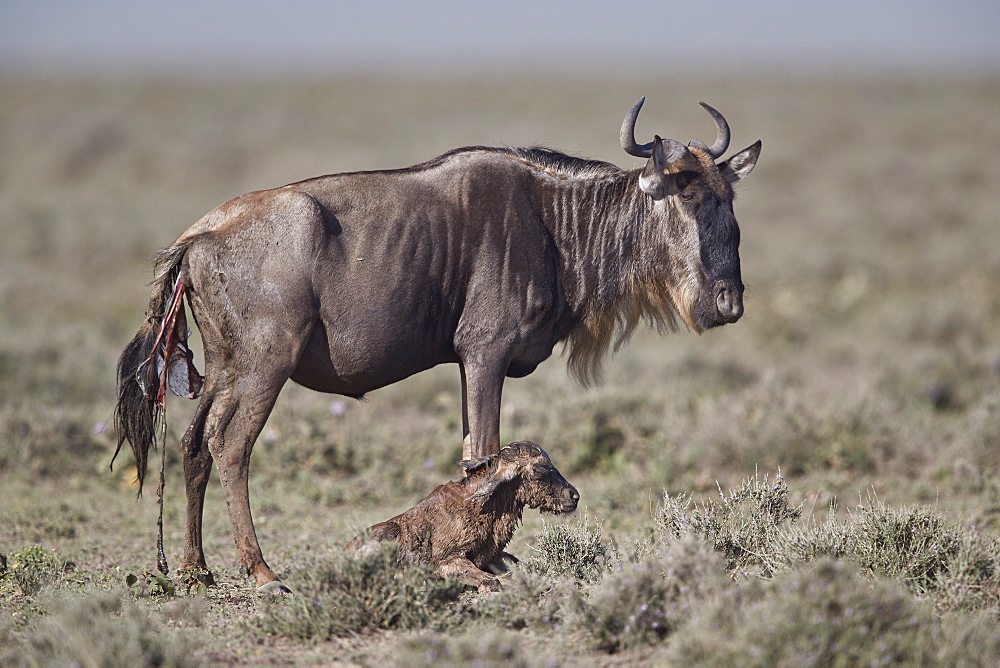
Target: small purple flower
x,y
337,408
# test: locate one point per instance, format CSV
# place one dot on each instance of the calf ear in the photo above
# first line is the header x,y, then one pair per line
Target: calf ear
x,y
740,165
471,465
504,471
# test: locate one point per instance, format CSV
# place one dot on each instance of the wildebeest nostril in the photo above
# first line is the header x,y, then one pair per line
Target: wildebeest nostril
x,y
729,303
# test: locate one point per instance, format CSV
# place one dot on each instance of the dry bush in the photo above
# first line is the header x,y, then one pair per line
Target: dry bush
x,y
484,647
32,568
103,629
527,601
744,525
349,595
643,602
954,566
827,614
578,552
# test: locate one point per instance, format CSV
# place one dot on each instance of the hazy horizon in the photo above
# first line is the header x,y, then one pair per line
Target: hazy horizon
x,y
187,37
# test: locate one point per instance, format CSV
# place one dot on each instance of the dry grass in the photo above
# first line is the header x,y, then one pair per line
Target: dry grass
x,y
868,363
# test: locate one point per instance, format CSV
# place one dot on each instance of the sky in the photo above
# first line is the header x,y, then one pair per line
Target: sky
x,y
229,36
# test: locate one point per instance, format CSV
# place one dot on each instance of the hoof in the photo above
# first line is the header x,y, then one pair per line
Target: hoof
x,y
196,577
274,588
501,565
489,585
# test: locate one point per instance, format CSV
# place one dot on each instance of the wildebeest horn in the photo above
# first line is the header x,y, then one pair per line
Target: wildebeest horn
x,y
628,133
722,137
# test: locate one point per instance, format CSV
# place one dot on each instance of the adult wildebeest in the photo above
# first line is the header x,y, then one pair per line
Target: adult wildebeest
x,y
486,257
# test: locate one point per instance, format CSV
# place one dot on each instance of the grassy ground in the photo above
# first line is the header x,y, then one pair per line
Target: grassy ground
x,y
866,371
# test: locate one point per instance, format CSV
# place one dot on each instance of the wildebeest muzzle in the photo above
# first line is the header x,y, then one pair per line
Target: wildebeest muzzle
x,y
721,303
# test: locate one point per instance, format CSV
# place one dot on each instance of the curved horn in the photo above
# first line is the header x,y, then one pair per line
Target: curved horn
x,y
722,137
628,133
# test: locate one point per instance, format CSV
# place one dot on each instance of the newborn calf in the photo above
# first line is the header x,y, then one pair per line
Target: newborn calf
x,y
462,527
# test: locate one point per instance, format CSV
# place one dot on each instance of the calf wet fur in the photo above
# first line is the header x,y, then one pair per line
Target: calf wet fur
x,y
462,527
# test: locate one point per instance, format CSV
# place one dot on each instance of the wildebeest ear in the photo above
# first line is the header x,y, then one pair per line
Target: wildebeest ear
x,y
653,180
740,165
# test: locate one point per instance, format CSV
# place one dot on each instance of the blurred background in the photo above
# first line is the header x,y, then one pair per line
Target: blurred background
x,y
320,37
869,356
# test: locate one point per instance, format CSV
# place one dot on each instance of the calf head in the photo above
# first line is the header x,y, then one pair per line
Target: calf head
x,y
526,470
693,246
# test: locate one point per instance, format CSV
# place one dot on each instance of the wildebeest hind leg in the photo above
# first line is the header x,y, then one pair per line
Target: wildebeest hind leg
x,y
235,420
197,469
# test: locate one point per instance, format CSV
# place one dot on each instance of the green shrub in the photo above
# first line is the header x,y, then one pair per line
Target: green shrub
x,y
745,525
811,539
968,640
956,567
156,585
578,552
32,568
352,594
98,630
971,579
478,647
829,614
910,544
527,600
641,603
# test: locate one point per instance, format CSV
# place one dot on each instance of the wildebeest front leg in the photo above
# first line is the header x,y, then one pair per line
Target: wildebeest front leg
x,y
482,386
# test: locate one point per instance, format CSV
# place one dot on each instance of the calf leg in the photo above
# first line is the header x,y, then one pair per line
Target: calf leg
x,y
499,565
466,572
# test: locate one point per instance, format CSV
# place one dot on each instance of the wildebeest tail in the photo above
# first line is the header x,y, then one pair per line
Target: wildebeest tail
x,y
137,414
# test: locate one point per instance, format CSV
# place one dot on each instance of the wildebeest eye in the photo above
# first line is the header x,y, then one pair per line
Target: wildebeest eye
x,y
683,183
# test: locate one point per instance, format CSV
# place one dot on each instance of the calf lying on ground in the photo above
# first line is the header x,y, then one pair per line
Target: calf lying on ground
x,y
462,527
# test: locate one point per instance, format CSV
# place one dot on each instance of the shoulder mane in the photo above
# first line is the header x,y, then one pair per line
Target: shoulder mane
x,y
561,163
539,157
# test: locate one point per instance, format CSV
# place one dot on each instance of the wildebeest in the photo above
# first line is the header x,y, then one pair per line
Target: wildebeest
x,y
485,257
462,527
